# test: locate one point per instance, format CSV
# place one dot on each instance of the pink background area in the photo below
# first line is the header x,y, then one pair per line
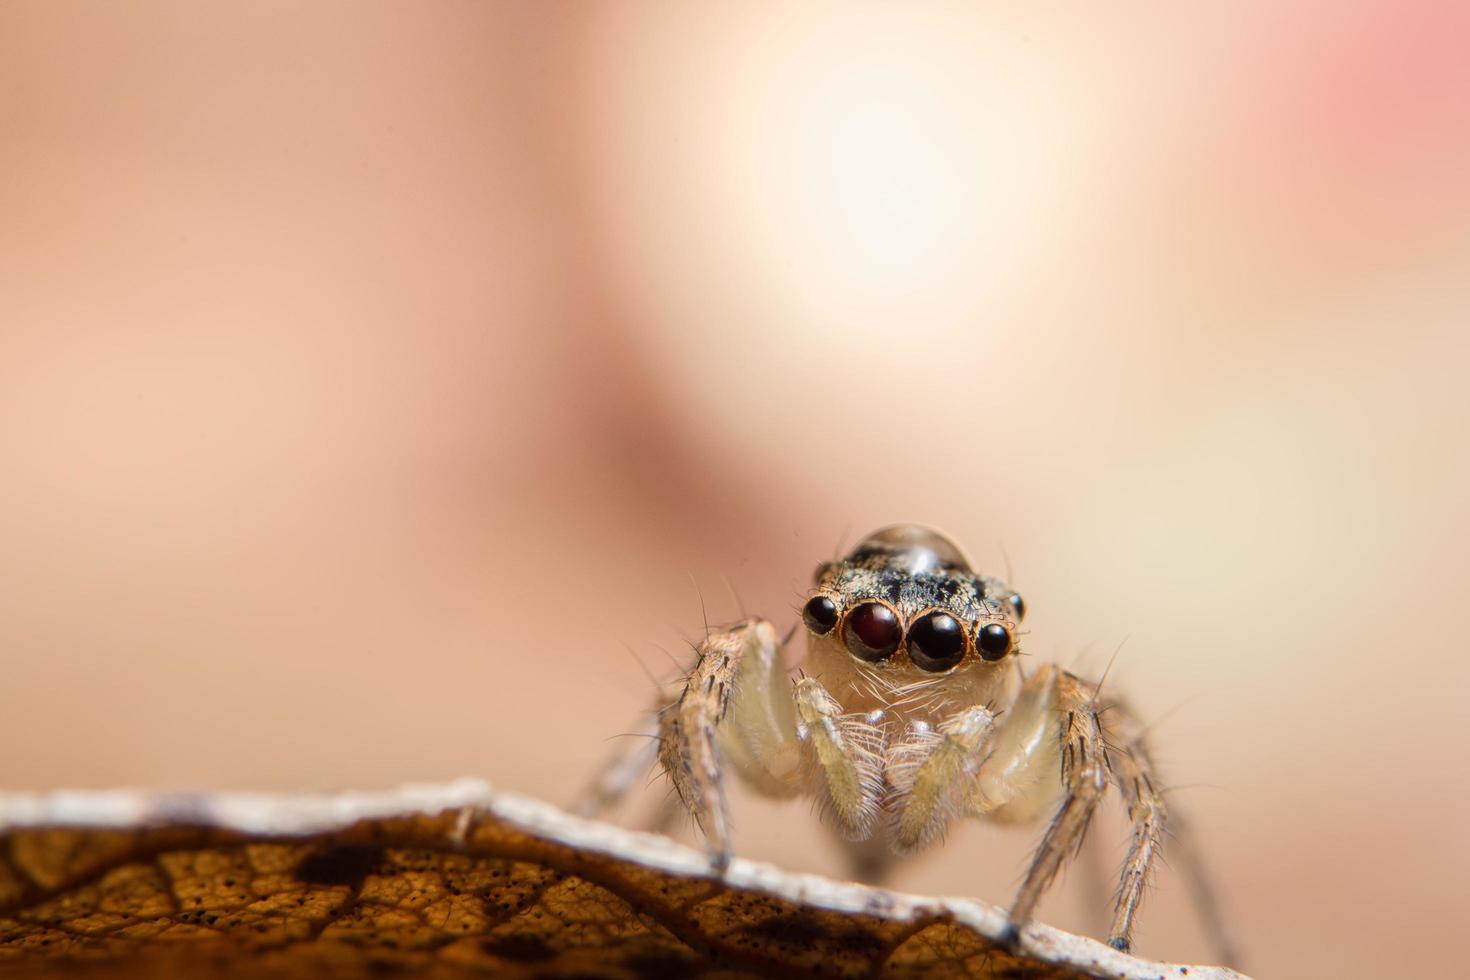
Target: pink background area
x,y
374,377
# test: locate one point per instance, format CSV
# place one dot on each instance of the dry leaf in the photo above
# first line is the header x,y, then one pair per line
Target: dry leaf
x,y
456,881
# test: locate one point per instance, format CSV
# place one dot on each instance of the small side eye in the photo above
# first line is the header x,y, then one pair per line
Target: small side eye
x,y
994,641
1018,605
819,614
936,642
872,632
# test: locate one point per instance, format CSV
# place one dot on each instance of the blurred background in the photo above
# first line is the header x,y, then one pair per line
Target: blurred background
x,y
381,383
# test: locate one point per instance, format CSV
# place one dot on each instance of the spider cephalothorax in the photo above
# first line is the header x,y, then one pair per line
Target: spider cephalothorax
x,y
904,609
910,711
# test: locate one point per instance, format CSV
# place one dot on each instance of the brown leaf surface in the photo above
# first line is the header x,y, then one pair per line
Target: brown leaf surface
x,y
456,881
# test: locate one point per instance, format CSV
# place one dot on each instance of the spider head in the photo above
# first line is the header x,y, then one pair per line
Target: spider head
x,y
905,598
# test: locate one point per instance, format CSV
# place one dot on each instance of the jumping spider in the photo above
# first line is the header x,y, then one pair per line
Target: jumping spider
x,y
911,710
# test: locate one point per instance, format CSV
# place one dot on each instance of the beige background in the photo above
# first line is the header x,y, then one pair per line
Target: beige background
x,y
374,377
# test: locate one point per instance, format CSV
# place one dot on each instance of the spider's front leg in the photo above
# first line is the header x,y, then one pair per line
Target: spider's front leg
x,y
1056,727
734,707
1084,776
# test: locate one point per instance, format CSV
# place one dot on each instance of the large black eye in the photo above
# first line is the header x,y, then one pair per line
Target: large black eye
x,y
819,614
936,641
872,632
1019,605
994,641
